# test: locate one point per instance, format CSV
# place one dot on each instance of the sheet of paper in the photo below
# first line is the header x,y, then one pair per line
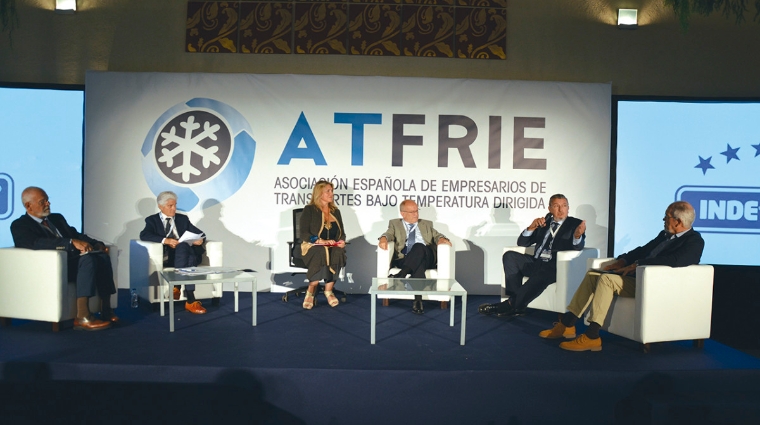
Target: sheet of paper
x,y
190,237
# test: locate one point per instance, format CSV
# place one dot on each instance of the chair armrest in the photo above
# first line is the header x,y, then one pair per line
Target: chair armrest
x,y
384,257
659,287
446,263
572,265
33,284
674,298
596,263
146,260
215,253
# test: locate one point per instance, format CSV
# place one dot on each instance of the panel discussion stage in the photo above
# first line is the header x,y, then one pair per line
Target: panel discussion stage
x,y
318,367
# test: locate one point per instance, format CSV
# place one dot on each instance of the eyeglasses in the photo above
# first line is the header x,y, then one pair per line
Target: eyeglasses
x,y
669,217
410,212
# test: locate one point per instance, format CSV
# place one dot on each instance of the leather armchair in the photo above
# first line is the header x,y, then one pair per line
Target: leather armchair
x,y
671,304
571,267
146,260
34,286
445,270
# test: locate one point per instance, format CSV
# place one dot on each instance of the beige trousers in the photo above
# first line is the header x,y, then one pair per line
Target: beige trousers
x,y
597,289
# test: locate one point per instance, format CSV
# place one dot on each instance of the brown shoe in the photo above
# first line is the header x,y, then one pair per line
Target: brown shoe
x,y
558,331
175,293
90,323
582,343
195,308
109,317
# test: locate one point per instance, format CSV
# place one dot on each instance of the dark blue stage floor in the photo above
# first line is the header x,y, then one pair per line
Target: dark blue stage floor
x,y
318,367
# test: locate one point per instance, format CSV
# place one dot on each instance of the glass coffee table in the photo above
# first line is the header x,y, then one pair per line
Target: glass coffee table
x,y
204,276
409,286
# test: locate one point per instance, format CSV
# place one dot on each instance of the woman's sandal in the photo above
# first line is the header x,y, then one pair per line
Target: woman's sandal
x,y
308,300
331,298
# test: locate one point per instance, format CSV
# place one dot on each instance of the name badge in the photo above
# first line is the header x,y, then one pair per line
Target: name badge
x,y
546,255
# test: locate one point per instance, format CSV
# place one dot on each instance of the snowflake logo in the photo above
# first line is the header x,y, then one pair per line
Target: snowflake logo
x,y
202,150
193,147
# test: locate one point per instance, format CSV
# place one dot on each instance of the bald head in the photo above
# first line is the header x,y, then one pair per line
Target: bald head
x,y
35,202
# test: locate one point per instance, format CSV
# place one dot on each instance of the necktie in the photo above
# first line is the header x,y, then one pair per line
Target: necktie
x,y
49,226
547,238
661,246
168,227
410,238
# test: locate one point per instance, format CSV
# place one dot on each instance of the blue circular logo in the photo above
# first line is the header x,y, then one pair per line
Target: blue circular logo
x,y
200,149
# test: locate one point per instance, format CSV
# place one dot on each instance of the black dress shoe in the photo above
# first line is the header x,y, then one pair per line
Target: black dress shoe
x,y
417,307
506,311
488,309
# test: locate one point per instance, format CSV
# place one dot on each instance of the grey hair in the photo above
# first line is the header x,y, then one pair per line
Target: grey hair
x,y
164,197
683,211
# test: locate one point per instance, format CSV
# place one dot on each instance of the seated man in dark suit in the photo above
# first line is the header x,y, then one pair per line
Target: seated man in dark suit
x,y
555,232
415,245
678,245
88,260
167,227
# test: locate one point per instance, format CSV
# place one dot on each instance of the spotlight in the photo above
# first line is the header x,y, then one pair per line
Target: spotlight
x,y
65,6
628,18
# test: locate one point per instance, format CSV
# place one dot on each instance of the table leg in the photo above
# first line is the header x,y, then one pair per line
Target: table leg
x,y
464,316
160,293
236,297
171,314
453,307
254,297
372,319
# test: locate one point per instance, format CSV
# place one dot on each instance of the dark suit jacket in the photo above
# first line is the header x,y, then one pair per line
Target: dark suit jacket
x,y
563,240
154,227
683,251
27,233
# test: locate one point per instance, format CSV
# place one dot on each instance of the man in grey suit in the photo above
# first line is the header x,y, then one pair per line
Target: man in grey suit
x,y
415,245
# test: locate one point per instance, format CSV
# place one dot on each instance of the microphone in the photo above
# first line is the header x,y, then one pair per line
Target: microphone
x,y
548,219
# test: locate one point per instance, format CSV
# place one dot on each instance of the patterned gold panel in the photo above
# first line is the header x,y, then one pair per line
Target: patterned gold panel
x,y
470,29
321,27
212,27
481,33
374,29
428,31
483,3
266,27
377,1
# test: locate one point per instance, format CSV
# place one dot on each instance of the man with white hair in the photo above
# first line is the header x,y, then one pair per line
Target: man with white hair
x,y
678,245
88,261
166,228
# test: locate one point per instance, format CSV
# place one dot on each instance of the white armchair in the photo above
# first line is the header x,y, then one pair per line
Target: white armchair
x,y
571,267
34,286
671,304
146,260
445,270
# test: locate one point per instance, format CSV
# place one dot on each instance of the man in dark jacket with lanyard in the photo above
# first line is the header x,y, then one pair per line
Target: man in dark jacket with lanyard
x,y
554,232
678,245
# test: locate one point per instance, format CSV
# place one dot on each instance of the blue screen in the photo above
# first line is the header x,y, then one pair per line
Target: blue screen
x,y
706,153
41,142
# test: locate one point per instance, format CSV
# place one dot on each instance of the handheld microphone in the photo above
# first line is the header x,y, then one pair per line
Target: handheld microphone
x,y
548,219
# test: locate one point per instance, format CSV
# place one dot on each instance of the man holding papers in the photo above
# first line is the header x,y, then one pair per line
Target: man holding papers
x,y
677,245
183,242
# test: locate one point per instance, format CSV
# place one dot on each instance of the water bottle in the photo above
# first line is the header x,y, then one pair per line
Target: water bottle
x,y
135,299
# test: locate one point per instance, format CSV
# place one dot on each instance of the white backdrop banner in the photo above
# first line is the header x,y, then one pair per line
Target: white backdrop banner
x,y
480,157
